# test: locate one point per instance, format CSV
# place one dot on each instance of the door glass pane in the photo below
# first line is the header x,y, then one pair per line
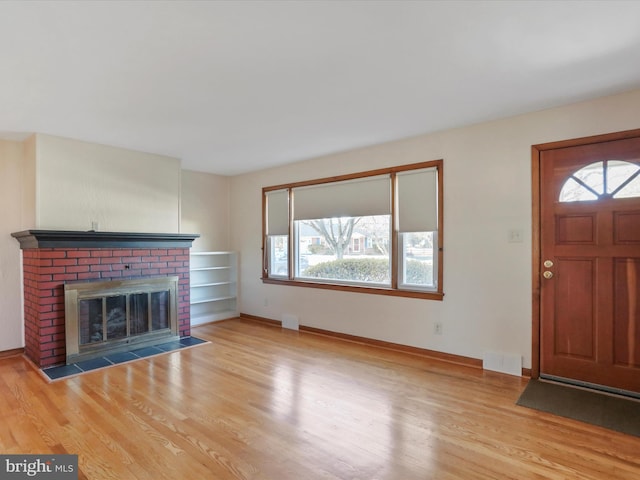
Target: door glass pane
x,y
572,191
632,189
617,173
593,180
592,175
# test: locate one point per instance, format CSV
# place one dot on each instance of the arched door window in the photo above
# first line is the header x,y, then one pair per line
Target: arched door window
x,y
604,179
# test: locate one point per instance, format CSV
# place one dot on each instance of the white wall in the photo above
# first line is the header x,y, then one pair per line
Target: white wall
x,y
123,190
58,183
16,213
487,174
487,192
28,183
205,210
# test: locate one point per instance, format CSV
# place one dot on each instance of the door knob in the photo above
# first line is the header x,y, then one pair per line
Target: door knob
x,y
547,274
548,264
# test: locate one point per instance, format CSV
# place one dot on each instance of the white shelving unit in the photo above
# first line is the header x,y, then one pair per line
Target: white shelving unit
x,y
214,286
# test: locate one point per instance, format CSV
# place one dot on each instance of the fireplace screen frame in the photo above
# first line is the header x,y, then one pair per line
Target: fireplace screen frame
x,y
76,292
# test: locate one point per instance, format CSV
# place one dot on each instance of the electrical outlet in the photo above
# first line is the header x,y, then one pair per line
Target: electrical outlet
x,y
437,328
266,302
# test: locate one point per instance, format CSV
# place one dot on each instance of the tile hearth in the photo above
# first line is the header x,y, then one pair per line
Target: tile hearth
x,y
63,371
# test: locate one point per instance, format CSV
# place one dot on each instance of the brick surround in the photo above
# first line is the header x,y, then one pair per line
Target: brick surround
x,y
91,256
47,269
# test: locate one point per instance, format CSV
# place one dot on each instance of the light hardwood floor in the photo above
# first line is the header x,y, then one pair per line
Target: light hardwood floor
x,y
259,402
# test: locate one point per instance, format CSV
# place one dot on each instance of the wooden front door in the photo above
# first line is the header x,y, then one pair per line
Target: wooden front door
x,y
590,263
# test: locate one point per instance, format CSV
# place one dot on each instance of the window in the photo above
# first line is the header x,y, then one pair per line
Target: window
x,y
605,179
278,255
375,232
277,233
417,192
340,256
417,257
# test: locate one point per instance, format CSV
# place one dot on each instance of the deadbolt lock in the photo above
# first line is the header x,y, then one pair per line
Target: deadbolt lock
x,y
548,264
547,274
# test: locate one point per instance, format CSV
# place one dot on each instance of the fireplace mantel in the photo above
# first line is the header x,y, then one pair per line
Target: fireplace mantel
x,y
94,239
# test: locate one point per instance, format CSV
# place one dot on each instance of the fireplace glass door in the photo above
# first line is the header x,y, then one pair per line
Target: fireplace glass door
x,y
113,316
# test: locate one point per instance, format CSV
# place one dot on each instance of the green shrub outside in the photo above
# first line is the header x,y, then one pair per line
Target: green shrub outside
x,y
418,271
374,270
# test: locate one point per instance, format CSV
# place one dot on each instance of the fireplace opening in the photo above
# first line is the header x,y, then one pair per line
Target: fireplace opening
x,y
109,317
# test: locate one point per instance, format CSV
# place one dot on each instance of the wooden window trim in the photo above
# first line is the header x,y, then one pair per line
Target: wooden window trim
x,y
393,290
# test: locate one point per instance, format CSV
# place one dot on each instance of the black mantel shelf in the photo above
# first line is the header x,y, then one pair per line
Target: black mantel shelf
x,y
93,239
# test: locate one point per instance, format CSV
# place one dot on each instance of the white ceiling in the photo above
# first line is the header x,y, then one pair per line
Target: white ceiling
x,y
231,87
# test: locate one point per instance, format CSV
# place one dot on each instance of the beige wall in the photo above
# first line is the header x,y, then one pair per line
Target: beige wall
x,y
487,193
58,183
487,175
16,213
28,183
124,191
205,210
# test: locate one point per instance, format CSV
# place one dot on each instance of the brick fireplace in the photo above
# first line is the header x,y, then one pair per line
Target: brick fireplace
x,y
52,258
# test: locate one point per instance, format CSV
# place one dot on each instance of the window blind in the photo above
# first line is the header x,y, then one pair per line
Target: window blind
x,y
278,212
417,200
349,198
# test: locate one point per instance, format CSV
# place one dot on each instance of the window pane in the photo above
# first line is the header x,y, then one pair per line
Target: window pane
x,y
617,173
632,189
417,260
345,249
278,247
592,175
572,191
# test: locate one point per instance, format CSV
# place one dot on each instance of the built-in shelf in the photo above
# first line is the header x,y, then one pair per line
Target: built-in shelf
x,y
210,284
212,299
214,286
